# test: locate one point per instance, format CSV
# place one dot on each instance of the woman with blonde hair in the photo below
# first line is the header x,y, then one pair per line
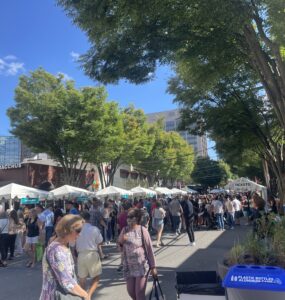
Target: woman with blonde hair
x,y
32,237
58,265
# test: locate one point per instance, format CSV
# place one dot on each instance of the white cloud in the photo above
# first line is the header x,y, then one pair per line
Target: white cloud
x,y
66,77
74,55
9,66
10,57
14,68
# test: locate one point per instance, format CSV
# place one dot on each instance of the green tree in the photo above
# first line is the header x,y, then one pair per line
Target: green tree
x,y
136,143
239,118
212,38
52,116
182,164
170,159
209,173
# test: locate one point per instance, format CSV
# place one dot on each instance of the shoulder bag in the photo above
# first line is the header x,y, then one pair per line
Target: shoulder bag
x,y
60,293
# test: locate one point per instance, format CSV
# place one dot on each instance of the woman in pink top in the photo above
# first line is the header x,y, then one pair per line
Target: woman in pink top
x,y
138,256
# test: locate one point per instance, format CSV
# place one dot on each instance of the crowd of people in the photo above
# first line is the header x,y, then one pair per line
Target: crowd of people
x,y
80,232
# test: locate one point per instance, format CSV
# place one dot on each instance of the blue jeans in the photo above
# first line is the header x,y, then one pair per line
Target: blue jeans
x,y
231,219
176,223
49,232
220,221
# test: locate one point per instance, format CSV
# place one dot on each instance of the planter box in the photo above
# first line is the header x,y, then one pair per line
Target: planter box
x,y
200,285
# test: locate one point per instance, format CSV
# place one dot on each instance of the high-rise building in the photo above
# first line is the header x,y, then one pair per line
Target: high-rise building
x,y
171,121
13,151
10,150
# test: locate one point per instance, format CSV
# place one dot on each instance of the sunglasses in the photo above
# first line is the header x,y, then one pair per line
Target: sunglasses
x,y
130,217
77,230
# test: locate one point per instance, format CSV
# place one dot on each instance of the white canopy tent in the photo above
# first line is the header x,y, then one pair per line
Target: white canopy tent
x,y
113,191
178,192
163,190
141,191
189,191
217,191
245,185
67,191
13,190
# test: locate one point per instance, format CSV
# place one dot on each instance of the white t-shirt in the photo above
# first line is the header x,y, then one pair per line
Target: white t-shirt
x,y
159,213
230,206
89,238
218,206
237,204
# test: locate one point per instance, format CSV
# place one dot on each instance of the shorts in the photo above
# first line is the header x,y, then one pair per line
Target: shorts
x,y
238,214
89,264
32,240
157,224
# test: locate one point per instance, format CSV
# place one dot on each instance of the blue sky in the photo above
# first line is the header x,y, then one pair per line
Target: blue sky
x,y
38,34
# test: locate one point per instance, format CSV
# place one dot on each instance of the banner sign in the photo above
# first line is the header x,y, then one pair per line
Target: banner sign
x,y
30,200
82,199
10,166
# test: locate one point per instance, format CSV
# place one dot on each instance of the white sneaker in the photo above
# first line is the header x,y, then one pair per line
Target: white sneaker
x,y
192,244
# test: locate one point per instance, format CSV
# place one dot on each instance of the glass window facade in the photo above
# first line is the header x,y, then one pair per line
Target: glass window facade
x,y
10,150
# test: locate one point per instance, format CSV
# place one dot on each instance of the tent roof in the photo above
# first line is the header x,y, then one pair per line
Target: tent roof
x,y
113,190
164,190
68,190
177,191
13,190
143,191
244,184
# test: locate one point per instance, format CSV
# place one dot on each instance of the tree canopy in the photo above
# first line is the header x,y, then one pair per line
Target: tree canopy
x,y
213,38
170,159
210,173
69,124
136,143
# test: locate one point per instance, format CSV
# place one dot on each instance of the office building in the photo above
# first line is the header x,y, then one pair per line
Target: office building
x,y
171,121
10,150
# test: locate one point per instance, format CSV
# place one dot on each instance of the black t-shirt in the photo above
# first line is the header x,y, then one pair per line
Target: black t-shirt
x,y
33,228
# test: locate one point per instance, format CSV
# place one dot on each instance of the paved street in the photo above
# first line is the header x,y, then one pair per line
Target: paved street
x,y
20,283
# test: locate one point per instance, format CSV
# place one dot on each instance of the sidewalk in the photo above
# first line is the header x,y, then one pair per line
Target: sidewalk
x,y
19,283
177,255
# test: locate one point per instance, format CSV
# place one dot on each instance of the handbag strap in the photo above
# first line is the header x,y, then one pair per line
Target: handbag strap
x,y
144,247
156,289
4,227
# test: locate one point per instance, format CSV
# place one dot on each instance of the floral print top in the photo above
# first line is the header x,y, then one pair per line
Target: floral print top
x,y
61,260
135,262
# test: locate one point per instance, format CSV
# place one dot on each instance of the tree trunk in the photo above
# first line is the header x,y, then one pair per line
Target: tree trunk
x,y
266,173
101,175
270,69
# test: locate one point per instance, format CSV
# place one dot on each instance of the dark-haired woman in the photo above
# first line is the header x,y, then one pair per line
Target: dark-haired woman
x,y
32,238
138,256
13,229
